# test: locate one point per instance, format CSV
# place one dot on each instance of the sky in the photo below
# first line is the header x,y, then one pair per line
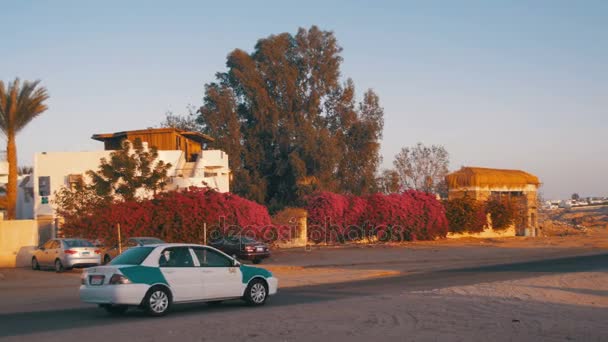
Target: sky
x,y
504,84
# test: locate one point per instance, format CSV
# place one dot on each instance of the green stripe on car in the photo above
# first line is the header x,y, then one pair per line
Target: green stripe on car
x,y
249,272
144,275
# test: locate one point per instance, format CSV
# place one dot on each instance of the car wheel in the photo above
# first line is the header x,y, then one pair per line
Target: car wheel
x,y
256,292
115,309
58,266
35,264
106,259
256,261
157,302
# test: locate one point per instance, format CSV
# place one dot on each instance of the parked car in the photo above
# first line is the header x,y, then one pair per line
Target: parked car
x,y
114,251
158,276
243,247
64,254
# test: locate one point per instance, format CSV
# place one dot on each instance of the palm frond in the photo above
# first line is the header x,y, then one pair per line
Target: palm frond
x,y
19,104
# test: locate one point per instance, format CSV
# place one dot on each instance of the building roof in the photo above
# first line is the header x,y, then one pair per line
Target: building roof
x,y
196,136
481,177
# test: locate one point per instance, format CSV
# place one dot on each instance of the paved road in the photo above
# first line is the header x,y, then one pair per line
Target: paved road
x,y
57,315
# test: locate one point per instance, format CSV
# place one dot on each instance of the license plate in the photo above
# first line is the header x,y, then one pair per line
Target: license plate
x,y
96,280
260,249
86,253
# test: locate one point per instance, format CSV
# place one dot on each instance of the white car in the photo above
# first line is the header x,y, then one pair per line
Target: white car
x,y
155,277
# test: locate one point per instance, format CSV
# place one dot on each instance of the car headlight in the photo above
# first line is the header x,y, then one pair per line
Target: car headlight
x,y
118,279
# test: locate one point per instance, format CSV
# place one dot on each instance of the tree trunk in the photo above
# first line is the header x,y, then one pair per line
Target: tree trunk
x,y
11,188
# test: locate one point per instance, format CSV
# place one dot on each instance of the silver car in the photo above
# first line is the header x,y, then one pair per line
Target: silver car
x,y
64,254
113,252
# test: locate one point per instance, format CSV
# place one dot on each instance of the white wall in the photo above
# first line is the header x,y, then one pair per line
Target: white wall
x,y
59,165
3,171
18,238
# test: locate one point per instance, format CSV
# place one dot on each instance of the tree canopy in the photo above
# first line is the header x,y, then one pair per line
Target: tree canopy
x,y
128,170
128,174
288,123
423,168
19,104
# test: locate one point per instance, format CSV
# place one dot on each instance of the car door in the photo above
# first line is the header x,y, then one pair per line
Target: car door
x,y
177,266
219,277
228,245
43,254
52,253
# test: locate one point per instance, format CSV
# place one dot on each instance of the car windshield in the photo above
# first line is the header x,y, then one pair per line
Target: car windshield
x,y
245,239
149,241
132,256
77,243
242,240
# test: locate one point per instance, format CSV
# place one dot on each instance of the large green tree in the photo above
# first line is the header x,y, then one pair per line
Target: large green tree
x,y
130,169
19,104
288,124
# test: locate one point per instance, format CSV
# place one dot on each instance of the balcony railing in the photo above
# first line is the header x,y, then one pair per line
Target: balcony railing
x,y
197,172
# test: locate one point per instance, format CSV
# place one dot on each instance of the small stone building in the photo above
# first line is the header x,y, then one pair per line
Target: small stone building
x,y
484,183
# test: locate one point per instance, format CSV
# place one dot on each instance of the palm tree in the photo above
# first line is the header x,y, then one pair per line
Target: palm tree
x,y
19,104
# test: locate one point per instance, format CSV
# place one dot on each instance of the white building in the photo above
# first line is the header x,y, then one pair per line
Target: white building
x,y
3,168
191,165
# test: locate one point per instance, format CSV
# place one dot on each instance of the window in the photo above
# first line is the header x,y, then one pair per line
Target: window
x,y
44,186
210,174
176,257
55,245
75,181
209,258
77,243
133,256
47,245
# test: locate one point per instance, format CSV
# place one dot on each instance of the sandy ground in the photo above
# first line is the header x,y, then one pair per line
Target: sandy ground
x,y
582,288
571,306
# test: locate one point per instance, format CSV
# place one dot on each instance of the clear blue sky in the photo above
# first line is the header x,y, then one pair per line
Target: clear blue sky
x,y
507,84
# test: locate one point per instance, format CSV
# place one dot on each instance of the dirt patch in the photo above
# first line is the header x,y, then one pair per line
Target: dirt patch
x,y
574,221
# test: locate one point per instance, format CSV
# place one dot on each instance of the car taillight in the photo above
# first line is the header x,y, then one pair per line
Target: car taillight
x,y
97,251
69,251
118,279
249,248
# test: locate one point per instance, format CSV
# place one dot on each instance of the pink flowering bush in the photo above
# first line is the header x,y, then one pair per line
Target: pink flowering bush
x,y
411,215
174,217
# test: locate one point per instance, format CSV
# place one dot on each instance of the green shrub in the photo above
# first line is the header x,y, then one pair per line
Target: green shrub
x,y
465,215
504,212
